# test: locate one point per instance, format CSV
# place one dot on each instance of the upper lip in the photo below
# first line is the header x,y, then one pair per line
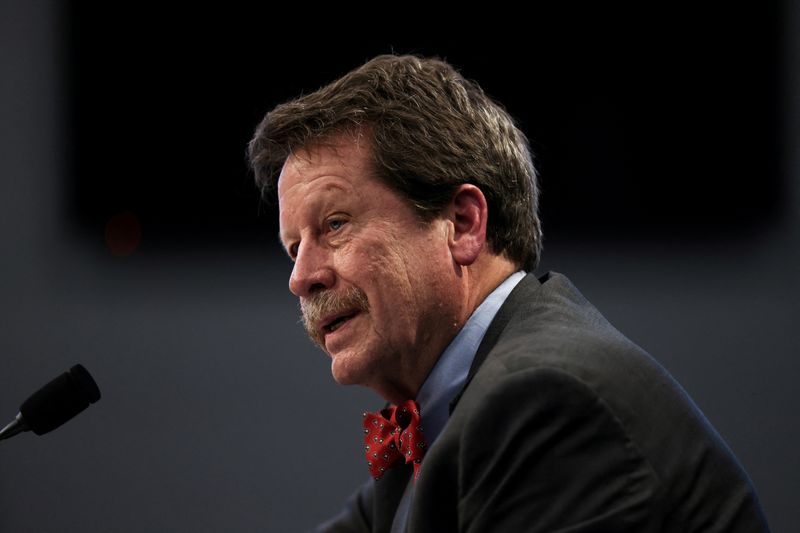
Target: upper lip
x,y
328,320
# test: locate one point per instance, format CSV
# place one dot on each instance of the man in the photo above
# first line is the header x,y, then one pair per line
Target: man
x,y
408,204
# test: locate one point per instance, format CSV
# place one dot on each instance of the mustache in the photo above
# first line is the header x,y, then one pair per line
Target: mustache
x,y
328,303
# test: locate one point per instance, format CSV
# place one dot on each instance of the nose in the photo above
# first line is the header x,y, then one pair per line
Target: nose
x,y
312,271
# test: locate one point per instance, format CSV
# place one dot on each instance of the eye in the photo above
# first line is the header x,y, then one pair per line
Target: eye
x,y
336,224
293,251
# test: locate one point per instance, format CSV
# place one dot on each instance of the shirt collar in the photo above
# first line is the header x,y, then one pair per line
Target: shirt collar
x,y
450,372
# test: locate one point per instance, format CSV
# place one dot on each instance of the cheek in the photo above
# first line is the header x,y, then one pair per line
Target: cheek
x,y
399,273
386,274
373,260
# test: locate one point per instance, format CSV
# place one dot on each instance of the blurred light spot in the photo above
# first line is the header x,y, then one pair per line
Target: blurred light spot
x,y
123,233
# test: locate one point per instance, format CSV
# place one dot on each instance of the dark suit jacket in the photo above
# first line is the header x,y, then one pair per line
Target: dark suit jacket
x,y
565,425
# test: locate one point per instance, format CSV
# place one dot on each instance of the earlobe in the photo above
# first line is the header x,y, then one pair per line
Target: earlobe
x,y
468,215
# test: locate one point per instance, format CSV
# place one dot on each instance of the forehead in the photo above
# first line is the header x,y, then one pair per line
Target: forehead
x,y
341,163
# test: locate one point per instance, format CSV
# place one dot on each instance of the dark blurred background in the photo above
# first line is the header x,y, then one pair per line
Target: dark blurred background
x,y
136,243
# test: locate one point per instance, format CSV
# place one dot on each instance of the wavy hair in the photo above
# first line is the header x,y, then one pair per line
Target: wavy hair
x,y
430,130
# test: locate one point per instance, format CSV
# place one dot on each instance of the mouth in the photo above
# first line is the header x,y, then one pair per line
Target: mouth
x,y
335,322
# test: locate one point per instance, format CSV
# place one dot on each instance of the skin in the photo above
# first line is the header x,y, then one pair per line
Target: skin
x,y
349,233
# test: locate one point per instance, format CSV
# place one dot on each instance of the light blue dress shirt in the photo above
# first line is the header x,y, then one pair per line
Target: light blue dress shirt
x,y
450,372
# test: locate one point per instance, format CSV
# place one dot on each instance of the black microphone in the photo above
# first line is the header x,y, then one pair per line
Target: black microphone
x,y
55,403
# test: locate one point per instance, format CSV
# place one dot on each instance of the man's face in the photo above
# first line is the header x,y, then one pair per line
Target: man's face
x,y
373,281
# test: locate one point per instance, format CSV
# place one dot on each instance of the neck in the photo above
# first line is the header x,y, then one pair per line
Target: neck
x,y
483,277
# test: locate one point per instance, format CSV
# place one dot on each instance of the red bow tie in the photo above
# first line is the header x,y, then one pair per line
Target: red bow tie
x,y
391,434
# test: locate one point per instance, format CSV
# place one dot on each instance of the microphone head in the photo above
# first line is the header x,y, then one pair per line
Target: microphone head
x,y
61,399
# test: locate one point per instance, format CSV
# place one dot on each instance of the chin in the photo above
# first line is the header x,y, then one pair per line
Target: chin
x,y
348,369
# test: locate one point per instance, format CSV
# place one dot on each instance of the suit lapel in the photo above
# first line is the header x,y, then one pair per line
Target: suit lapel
x,y
388,491
522,292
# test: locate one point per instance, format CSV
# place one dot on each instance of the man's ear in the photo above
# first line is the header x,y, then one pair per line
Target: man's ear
x,y
468,214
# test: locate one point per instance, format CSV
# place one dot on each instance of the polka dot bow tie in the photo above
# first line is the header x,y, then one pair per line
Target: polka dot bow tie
x,y
391,434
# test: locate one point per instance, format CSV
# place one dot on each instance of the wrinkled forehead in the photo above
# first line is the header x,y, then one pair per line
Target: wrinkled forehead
x,y
342,157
